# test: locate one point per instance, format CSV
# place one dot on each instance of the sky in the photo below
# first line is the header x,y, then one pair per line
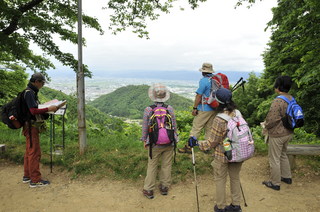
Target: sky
x,y
231,39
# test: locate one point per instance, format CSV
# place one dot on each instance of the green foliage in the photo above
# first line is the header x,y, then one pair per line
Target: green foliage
x,y
135,14
259,143
12,82
184,123
130,102
24,22
97,121
252,101
294,50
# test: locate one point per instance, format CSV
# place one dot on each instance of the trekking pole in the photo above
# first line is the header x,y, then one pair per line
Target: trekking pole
x,y
244,199
195,176
235,85
238,84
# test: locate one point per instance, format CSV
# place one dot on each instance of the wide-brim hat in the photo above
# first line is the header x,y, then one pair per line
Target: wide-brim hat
x,y
207,68
159,93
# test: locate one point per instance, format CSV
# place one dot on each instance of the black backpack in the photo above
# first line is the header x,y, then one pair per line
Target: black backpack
x,y
15,113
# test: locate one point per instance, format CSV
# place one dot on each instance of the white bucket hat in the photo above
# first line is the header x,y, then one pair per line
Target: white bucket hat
x,y
207,68
159,92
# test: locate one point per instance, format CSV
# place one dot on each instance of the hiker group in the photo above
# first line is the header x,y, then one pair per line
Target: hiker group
x,y
226,131
214,111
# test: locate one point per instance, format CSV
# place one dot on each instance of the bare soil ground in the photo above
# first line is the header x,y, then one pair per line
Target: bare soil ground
x,y
106,195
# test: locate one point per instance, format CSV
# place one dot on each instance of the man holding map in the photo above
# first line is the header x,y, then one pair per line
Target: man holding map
x,y
32,128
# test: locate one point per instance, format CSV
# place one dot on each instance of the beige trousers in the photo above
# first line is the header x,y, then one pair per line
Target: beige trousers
x,y
278,159
165,155
203,120
220,172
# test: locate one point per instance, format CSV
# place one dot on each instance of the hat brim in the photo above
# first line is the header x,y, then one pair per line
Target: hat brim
x,y
206,71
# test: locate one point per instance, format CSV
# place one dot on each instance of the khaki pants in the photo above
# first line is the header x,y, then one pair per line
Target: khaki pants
x,y
220,172
278,159
203,120
165,155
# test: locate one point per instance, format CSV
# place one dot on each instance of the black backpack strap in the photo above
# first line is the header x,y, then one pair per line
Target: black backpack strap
x,y
150,140
174,141
150,151
175,151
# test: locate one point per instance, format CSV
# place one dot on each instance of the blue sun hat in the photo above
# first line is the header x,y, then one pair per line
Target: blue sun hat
x,y
223,96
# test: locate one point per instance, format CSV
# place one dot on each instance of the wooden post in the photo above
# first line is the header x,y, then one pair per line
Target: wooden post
x,y
80,87
2,149
292,161
303,149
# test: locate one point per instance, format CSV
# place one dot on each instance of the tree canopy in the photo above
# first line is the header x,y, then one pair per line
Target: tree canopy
x,y
294,50
39,22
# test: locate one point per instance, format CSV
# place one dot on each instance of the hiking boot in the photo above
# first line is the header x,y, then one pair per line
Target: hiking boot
x,y
269,184
148,194
41,183
185,149
233,208
286,180
26,179
163,190
216,209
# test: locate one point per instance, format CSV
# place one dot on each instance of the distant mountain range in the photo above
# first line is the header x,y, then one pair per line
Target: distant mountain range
x,y
195,75
233,76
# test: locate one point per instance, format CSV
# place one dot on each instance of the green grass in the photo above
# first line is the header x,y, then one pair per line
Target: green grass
x,y
119,155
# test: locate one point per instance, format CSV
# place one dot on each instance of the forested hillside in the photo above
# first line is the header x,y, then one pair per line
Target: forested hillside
x,y
93,115
131,100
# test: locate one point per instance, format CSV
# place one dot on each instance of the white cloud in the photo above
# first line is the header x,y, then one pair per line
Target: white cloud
x,y
232,39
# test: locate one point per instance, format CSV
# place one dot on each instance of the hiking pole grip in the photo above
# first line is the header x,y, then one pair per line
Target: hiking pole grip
x,y
193,158
236,85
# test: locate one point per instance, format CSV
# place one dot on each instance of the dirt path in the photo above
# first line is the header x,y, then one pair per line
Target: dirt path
x,y
105,195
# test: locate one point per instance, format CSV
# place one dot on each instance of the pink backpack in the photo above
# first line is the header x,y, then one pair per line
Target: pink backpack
x,y
240,136
161,131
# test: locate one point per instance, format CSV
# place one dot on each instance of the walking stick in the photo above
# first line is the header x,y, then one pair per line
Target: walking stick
x,y
195,176
244,199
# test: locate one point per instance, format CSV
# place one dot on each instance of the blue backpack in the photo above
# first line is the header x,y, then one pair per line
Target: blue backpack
x,y
294,115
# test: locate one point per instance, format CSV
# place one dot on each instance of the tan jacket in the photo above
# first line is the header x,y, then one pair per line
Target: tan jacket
x,y
273,122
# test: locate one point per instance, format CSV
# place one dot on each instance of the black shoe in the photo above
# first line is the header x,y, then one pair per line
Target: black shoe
x,y
185,149
163,190
216,209
41,183
26,179
286,180
233,208
148,194
270,185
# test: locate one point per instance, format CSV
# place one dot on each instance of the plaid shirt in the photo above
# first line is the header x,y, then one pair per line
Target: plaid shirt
x,y
217,134
145,123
